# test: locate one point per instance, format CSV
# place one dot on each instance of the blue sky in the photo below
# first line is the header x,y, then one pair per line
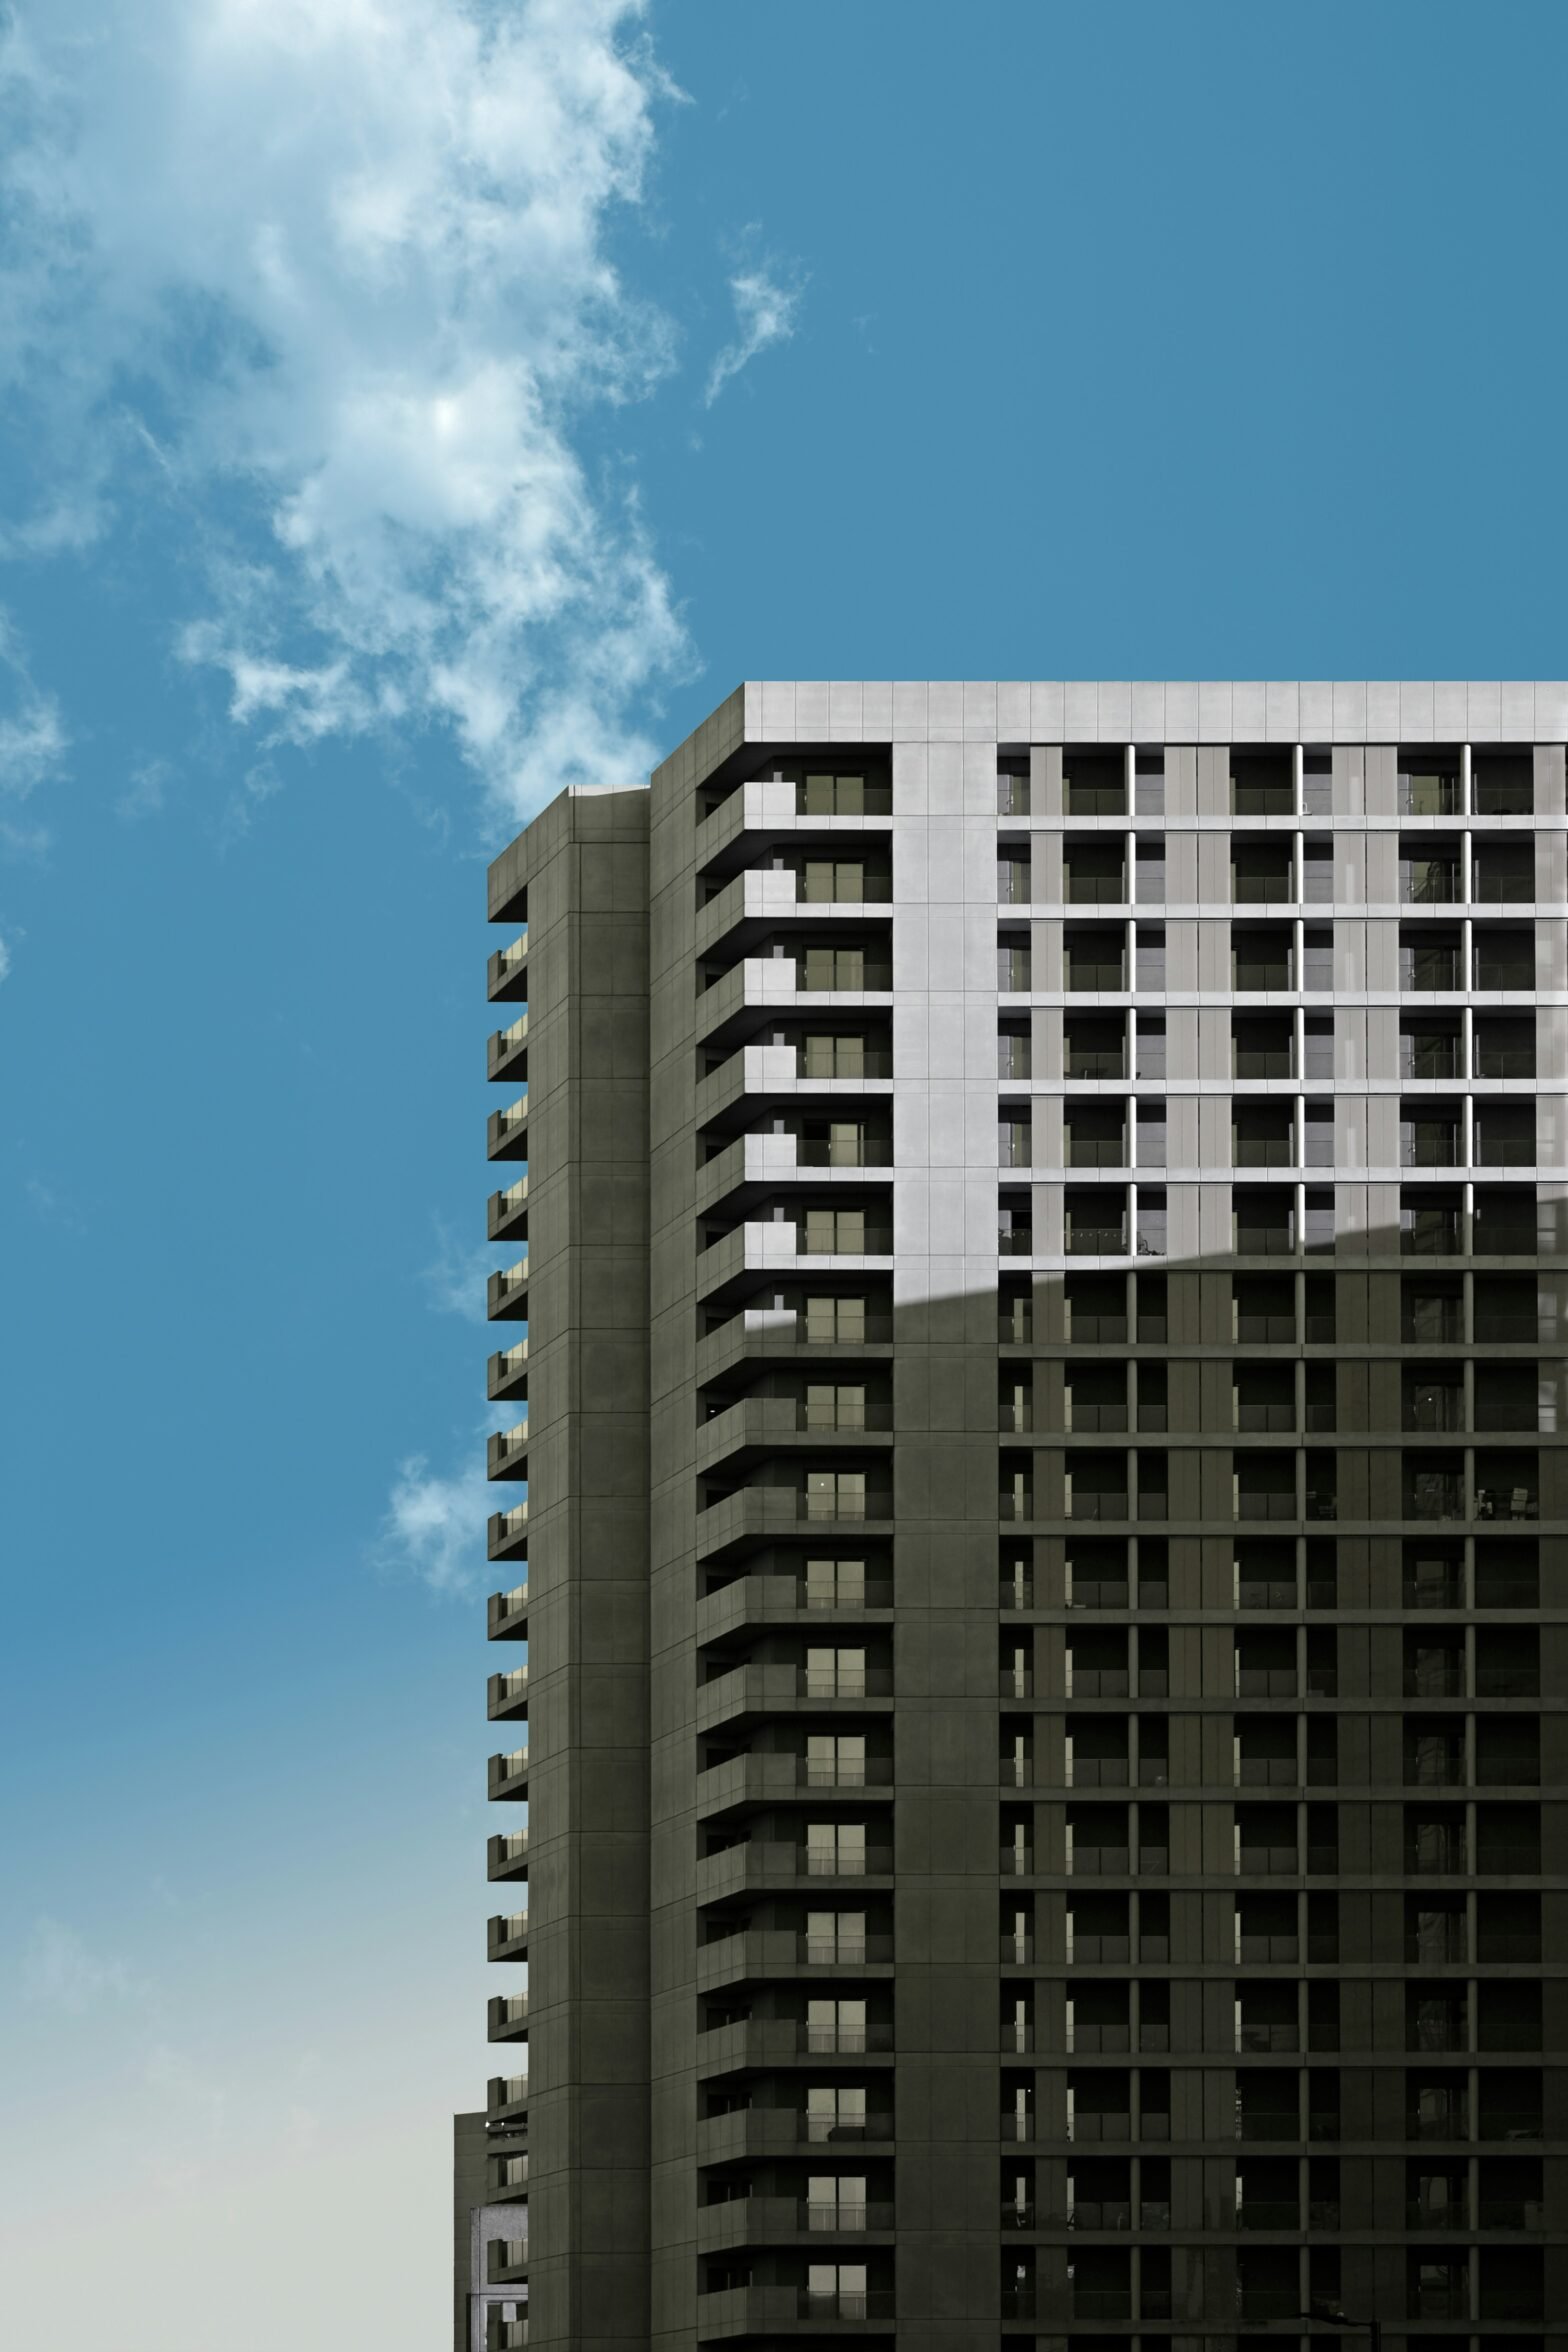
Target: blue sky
x,y
403,410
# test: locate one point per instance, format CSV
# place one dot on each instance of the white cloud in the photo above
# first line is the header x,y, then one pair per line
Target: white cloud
x,y
765,312
33,742
146,792
61,1970
5,960
456,1281
345,261
434,1527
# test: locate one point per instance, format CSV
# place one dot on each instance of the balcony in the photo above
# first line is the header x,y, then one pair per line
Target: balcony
x,y
749,1514
765,2311
507,1776
508,970
1434,794
507,1695
506,1293
507,1212
759,1953
756,1599
771,2221
507,1373
506,1453
507,1131
506,2261
506,1856
506,2330
506,2017
506,1936
780,1688
754,1865
773,2131
506,2097
508,1533
771,1777
506,1048
506,1615
760,2045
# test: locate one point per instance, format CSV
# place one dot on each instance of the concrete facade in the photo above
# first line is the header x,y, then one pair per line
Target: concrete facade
x,y
1042,1319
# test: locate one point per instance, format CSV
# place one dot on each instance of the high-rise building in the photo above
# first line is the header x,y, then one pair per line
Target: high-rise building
x,y
1040,1344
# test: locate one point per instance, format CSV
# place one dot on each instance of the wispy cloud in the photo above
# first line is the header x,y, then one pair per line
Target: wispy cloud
x,y
434,1527
337,272
61,1970
766,309
145,794
33,741
456,1279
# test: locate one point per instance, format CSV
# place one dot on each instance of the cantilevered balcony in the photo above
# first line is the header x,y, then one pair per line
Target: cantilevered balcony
x,y
506,2327
508,1533
780,1688
508,1372
759,2220
508,1695
506,2096
748,1514
508,971
506,1856
507,1211
749,1782
506,1937
506,1454
506,2017
507,1614
758,1866
506,1134
506,2259
760,1953
506,1055
507,1776
840,1590
771,2311
506,1293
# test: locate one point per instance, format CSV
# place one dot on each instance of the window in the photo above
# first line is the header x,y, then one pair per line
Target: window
x,y
835,1759
833,1318
834,1232
838,1673
834,967
836,1494
835,1849
835,1584
838,2026
834,2200
836,1938
835,1405
842,796
837,880
833,1054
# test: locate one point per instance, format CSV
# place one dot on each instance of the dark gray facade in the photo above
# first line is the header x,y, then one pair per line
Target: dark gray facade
x,y
1040,1353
